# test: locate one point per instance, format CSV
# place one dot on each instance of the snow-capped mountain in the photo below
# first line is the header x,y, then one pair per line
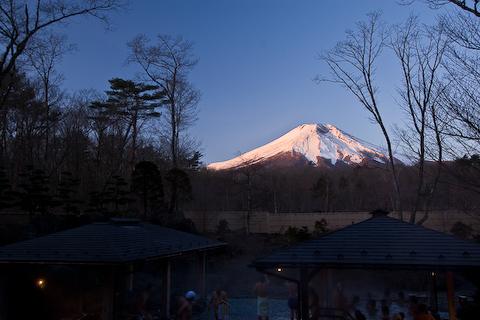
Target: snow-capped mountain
x,y
317,143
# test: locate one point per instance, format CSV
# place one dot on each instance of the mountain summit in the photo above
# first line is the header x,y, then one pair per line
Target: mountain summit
x,y
317,143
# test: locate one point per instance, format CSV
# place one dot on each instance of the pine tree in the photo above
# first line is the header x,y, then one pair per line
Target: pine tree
x,y
147,184
35,194
132,104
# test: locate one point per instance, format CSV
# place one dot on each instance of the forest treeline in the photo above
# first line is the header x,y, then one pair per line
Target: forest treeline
x,y
127,152
118,153
332,188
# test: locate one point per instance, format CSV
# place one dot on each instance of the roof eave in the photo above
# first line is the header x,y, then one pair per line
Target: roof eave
x,y
365,266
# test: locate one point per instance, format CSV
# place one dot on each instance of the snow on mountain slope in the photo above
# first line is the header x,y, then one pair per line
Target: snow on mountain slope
x,y
314,142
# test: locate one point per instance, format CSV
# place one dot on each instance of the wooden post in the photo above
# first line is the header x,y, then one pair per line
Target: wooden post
x,y
165,311
325,274
129,277
268,222
329,288
202,275
432,291
108,294
304,311
451,296
79,292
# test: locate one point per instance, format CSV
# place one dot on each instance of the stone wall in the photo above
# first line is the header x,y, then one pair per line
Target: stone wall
x,y
265,222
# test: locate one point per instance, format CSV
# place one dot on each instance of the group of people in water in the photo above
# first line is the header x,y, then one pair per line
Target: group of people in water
x,y
411,308
181,306
415,309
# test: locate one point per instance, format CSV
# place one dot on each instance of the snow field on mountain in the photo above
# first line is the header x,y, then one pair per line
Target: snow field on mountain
x,y
312,141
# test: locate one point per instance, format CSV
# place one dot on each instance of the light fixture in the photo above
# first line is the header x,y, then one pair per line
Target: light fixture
x,y
40,283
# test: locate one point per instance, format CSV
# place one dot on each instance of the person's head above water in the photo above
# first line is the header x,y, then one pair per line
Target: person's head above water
x,y
190,295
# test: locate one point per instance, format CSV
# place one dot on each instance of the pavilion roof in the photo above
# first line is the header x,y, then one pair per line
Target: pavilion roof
x,y
119,241
378,242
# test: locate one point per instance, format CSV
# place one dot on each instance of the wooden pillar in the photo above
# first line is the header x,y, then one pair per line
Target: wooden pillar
x,y
318,282
129,278
268,222
432,288
325,275
451,296
298,313
79,291
108,294
165,311
329,287
202,275
304,311
4,281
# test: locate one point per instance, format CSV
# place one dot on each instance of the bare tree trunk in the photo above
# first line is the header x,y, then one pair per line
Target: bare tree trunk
x,y
420,51
249,203
352,63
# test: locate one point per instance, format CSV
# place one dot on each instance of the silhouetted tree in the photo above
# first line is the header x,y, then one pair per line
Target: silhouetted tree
x,y
180,188
296,235
133,104
20,124
6,197
34,193
459,103
461,230
98,203
323,189
352,63
22,21
470,6
147,185
118,193
421,51
167,65
43,56
67,189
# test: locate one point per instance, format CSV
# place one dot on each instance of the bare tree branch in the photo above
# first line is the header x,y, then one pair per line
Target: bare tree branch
x,y
21,20
352,64
420,51
470,6
167,64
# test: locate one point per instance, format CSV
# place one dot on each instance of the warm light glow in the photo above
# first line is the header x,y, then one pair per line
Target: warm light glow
x,y
40,282
279,269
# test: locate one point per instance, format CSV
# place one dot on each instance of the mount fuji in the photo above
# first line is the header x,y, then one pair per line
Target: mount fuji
x,y
320,144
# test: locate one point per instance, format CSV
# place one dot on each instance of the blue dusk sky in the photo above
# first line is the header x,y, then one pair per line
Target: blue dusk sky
x,y
257,62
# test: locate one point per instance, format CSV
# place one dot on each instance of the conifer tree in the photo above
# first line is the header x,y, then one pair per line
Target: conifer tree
x,y
147,184
132,104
